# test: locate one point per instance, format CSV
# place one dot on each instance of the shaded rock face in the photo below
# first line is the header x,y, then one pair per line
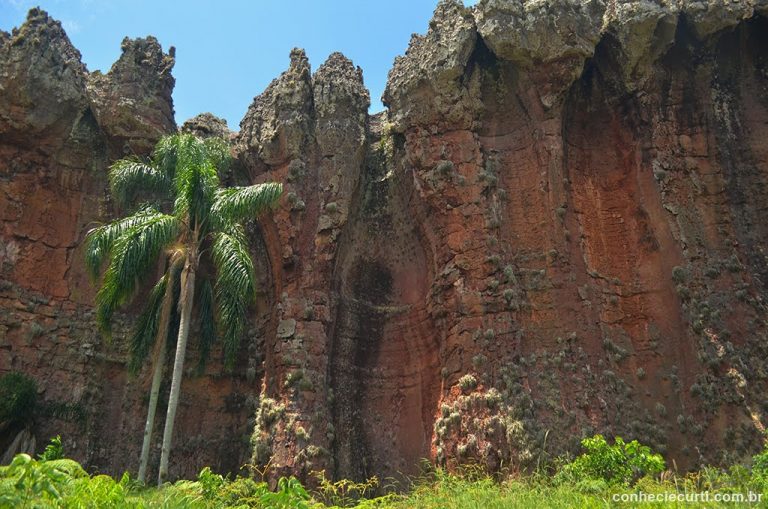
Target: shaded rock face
x,y
553,231
60,127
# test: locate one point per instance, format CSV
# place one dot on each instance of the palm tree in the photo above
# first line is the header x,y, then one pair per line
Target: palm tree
x,y
202,223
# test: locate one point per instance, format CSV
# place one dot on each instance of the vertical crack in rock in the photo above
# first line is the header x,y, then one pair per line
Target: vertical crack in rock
x,y
384,365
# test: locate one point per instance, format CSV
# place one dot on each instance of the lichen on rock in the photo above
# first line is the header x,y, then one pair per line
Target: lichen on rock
x,y
207,125
43,81
132,102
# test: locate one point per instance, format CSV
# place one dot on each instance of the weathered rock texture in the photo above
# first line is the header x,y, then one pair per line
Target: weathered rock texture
x,y
59,128
554,230
207,125
132,102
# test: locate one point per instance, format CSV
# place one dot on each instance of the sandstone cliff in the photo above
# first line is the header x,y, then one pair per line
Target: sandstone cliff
x,y
554,230
60,126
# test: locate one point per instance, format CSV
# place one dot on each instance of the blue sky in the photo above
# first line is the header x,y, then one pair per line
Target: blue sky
x,y
228,51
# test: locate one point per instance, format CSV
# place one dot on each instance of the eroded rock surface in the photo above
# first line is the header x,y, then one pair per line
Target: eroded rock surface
x,y
546,221
60,127
43,81
132,102
554,230
206,125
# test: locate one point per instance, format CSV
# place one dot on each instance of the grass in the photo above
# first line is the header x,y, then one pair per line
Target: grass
x,y
595,479
442,491
454,492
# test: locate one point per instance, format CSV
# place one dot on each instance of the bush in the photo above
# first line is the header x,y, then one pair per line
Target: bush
x,y
290,494
760,466
18,397
53,451
591,480
210,482
27,482
679,274
468,383
344,493
618,464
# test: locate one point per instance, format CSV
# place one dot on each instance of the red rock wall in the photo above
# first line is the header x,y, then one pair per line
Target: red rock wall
x,y
541,239
596,266
58,132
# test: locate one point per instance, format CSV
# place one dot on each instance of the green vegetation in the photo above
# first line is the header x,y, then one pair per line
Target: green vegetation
x,y
53,451
594,479
468,382
18,397
617,465
182,218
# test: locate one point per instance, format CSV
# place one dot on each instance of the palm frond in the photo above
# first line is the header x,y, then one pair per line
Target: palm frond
x,y
100,241
156,316
133,254
207,322
235,287
131,179
237,204
218,153
164,156
145,330
196,180
196,188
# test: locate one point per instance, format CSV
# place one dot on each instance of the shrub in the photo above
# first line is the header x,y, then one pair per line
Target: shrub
x,y
760,465
344,492
618,464
290,494
27,480
242,492
210,482
444,167
296,170
53,451
18,397
468,382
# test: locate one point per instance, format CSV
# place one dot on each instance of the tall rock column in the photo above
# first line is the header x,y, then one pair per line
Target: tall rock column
x,y
132,102
310,133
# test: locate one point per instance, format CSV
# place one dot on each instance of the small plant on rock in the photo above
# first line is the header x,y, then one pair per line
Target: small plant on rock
x,y
468,383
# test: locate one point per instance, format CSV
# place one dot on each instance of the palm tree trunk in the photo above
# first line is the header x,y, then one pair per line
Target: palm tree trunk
x,y
157,377
186,299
